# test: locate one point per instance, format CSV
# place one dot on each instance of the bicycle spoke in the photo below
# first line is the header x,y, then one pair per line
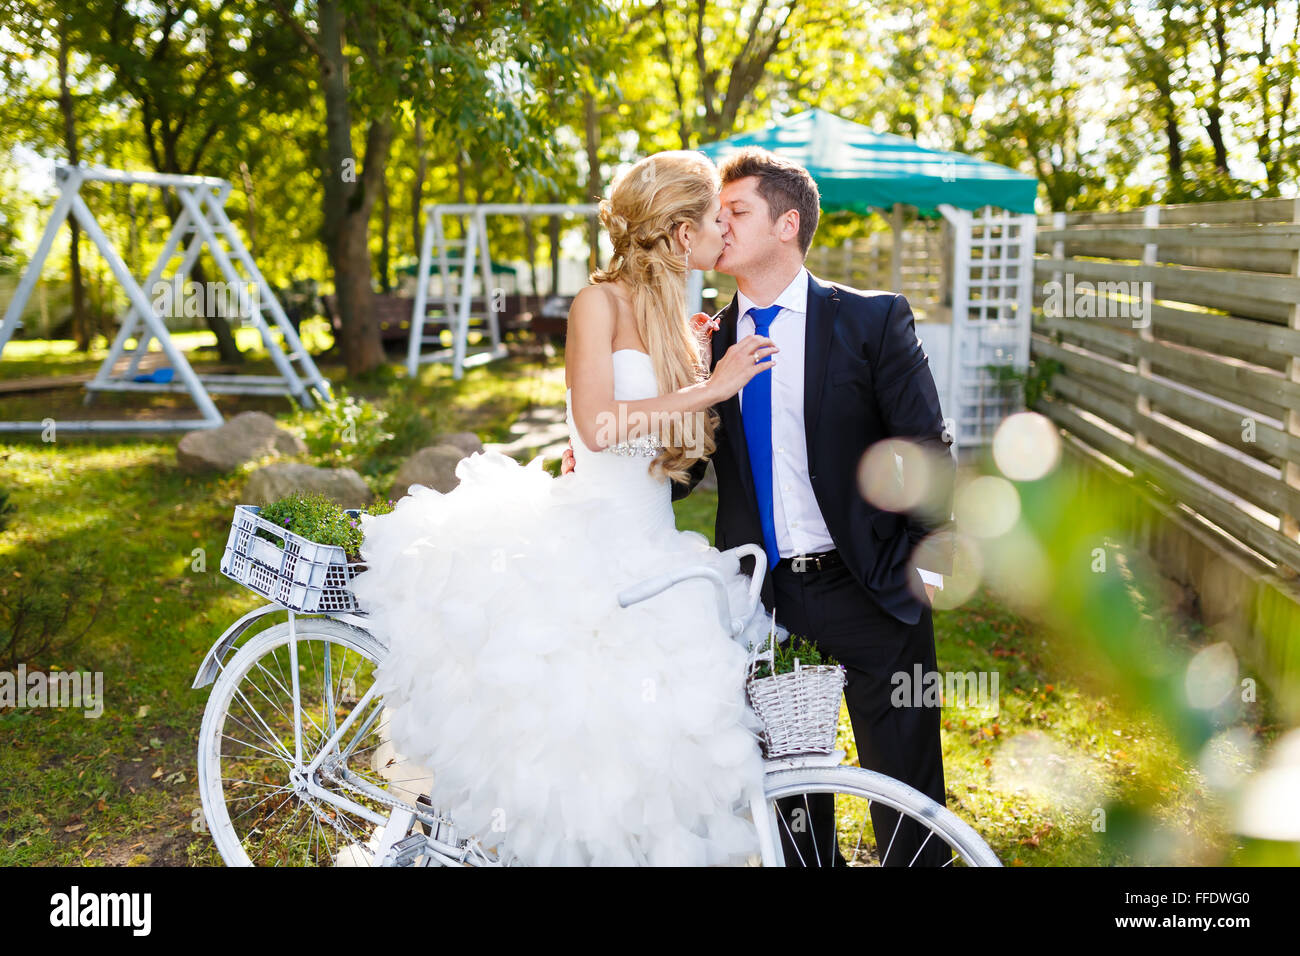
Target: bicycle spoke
x,y
852,792
271,816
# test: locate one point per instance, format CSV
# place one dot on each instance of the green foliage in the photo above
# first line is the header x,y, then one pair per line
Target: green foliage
x,y
410,422
1032,383
45,615
794,648
347,432
319,519
7,509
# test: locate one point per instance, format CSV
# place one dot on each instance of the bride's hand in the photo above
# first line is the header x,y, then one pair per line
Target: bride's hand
x,y
743,361
567,464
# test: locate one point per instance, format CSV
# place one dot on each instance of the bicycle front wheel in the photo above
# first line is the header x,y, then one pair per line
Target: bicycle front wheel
x,y
848,816
270,713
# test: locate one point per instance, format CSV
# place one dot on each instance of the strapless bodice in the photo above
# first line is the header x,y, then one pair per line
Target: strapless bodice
x,y
624,470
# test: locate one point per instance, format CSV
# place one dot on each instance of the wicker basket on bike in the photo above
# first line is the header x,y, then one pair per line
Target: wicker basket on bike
x,y
800,709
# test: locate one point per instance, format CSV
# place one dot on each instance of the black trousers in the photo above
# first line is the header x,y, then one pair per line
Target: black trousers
x,y
831,609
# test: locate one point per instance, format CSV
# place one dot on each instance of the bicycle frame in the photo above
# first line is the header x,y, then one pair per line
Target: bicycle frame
x,y
395,825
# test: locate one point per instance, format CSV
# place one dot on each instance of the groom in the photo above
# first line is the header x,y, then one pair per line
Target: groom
x,y
853,578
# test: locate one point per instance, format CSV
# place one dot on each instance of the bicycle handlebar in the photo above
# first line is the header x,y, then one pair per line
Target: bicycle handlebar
x,y
647,589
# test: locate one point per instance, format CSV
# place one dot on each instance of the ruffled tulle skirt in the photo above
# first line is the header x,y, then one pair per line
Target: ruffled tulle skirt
x,y
558,727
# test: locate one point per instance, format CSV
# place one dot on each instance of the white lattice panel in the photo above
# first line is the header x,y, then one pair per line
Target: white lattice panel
x,y
992,294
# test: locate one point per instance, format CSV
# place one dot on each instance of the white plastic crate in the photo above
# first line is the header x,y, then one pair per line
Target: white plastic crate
x,y
301,576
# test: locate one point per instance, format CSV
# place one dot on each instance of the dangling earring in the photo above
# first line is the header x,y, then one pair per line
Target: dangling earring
x,y
688,258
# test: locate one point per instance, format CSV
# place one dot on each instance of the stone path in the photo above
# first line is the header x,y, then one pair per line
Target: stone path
x,y
540,430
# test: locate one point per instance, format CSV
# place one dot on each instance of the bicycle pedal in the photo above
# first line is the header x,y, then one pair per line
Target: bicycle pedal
x,y
405,851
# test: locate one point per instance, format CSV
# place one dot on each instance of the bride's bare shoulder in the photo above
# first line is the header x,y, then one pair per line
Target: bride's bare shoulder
x,y
606,297
593,314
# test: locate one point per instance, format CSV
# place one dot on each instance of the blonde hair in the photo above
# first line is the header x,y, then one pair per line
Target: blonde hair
x,y
642,215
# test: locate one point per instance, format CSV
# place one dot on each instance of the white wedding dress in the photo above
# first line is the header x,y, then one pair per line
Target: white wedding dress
x,y
558,727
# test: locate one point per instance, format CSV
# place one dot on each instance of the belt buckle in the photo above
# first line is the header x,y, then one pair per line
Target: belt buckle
x,y
799,563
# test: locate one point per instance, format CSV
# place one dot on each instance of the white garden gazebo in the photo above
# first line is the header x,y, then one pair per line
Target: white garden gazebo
x,y
977,314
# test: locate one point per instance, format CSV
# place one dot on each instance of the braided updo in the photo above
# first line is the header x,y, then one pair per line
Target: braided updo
x,y
642,215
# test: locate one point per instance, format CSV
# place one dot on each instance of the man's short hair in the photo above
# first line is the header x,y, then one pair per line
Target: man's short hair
x,y
784,185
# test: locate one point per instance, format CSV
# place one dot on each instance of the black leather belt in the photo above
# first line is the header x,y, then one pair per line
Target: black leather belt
x,y
818,561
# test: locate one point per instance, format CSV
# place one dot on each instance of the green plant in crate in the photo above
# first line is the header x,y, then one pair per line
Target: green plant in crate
x,y
319,519
795,647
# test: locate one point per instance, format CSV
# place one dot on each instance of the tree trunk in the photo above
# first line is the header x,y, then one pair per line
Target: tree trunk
x,y
1214,110
251,219
80,330
595,184
349,198
530,243
417,191
385,230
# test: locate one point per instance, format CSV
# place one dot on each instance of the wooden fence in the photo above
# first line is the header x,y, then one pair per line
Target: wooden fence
x,y
868,262
1177,333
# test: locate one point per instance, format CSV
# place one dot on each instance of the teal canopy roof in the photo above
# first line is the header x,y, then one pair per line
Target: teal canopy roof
x,y
857,169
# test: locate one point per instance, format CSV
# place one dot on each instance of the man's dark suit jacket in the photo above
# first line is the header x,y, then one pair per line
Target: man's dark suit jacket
x,y
866,378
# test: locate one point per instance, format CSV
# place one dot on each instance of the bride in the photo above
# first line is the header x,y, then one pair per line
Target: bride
x,y
560,728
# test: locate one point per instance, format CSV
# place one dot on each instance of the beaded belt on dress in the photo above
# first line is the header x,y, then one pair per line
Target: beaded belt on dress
x,y
646,446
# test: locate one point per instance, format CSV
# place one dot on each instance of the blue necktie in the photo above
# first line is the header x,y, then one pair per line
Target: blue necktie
x,y
756,413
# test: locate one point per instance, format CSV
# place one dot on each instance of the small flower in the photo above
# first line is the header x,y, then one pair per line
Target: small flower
x,y
704,325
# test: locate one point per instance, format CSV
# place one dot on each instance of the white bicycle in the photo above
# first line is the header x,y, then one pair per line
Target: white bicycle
x,y
295,766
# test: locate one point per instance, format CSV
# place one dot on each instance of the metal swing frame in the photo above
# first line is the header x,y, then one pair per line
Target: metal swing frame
x,y
457,305
203,218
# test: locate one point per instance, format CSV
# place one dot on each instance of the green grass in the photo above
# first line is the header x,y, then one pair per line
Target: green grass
x,y
121,789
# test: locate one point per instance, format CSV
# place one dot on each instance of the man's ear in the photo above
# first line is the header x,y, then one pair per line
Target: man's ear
x,y
789,226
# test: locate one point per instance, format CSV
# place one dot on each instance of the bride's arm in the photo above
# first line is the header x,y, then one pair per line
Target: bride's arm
x,y
589,357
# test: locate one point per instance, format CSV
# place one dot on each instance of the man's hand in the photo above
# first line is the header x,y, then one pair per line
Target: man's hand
x,y
567,464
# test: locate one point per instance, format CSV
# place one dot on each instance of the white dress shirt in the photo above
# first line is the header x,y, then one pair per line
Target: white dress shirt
x,y
800,527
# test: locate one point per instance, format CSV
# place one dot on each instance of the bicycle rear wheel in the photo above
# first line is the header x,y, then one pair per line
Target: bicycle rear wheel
x,y
801,835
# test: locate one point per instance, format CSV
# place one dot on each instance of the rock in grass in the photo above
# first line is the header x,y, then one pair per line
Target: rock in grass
x,y
246,437
467,442
434,467
280,478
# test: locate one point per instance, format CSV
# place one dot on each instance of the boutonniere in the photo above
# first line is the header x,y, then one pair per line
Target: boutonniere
x,y
705,326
